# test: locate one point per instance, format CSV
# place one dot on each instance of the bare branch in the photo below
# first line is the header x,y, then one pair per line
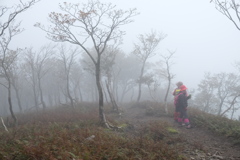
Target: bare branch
x,y
230,9
17,10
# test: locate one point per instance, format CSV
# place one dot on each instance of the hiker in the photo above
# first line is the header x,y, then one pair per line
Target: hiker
x,y
181,106
175,94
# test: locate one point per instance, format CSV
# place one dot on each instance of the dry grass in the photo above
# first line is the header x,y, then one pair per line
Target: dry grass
x,y
68,134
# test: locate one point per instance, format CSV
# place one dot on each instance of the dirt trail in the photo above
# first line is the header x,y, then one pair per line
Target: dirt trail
x,y
211,147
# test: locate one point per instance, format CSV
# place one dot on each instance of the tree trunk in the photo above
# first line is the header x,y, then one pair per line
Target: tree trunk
x,y
220,106
140,82
10,105
68,93
35,95
231,105
114,104
166,95
80,94
41,94
105,94
18,98
100,95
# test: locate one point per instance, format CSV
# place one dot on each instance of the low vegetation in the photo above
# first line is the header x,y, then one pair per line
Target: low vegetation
x,y
68,134
218,125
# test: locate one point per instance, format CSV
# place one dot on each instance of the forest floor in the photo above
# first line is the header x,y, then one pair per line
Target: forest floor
x,y
210,146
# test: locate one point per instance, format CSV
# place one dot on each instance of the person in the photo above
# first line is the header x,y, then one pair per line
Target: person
x,y
175,94
181,105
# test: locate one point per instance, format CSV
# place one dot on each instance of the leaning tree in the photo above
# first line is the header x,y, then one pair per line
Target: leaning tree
x,y
93,23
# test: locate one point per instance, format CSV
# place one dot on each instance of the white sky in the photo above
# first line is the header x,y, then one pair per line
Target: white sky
x,y
204,39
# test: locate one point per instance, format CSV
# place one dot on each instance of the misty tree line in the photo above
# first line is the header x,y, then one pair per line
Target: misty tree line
x,y
69,71
55,75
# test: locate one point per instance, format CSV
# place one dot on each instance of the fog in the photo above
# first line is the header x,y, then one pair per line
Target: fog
x,y
202,38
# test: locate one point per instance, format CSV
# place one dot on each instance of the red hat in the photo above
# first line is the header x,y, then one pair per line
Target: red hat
x,y
183,87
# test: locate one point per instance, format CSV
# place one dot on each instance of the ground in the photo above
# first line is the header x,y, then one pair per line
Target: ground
x,y
211,146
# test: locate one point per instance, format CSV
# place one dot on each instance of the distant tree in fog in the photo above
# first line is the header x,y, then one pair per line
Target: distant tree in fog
x,y
145,49
206,98
230,9
108,62
37,65
129,71
219,93
226,85
16,80
165,72
7,59
8,29
67,60
77,76
96,23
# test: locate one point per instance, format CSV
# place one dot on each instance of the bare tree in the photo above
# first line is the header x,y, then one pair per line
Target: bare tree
x,y
230,9
96,23
225,84
40,64
129,72
77,78
206,99
219,90
8,56
30,73
144,50
7,60
67,59
166,73
228,91
108,62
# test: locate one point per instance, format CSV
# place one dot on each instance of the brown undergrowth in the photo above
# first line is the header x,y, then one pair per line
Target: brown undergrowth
x,y
75,134
64,133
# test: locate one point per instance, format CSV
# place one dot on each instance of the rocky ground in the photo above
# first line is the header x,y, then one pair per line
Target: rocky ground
x,y
211,147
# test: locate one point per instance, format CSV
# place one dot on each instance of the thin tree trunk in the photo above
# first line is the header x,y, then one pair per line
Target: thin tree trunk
x,y
68,93
18,98
100,95
140,82
166,95
10,105
114,104
41,94
105,94
231,105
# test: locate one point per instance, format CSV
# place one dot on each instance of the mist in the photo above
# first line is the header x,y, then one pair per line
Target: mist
x,y
49,74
